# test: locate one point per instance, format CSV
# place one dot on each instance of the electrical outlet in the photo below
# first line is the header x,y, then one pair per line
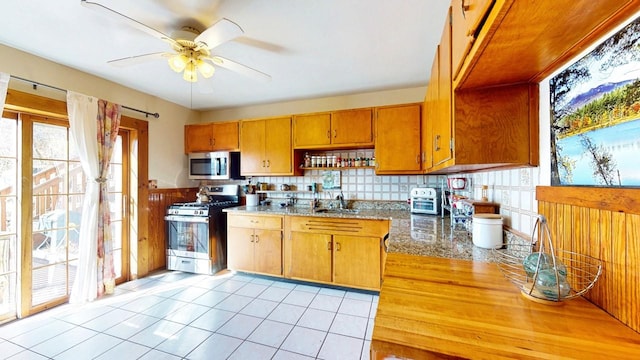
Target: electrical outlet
x,y
505,198
525,177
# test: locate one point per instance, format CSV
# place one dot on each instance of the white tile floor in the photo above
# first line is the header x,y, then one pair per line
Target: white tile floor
x,y
176,315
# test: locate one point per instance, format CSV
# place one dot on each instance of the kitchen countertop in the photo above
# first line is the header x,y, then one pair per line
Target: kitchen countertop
x,y
449,308
431,235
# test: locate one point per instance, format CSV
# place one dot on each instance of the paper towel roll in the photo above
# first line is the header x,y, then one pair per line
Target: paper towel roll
x,y
252,199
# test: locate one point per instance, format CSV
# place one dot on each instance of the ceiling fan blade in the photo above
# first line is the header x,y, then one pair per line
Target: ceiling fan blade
x,y
138,59
132,22
239,68
220,32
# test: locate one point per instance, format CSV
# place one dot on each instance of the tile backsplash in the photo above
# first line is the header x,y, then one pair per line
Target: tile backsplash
x,y
357,183
513,189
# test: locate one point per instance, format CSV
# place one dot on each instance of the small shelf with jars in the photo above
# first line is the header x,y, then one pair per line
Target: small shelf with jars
x,y
335,162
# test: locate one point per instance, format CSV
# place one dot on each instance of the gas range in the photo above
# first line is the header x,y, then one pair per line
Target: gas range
x,y
200,208
220,197
197,231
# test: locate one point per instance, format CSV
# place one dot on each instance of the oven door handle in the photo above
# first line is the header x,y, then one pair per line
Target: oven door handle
x,y
189,219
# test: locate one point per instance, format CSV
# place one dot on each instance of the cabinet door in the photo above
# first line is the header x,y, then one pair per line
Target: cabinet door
x,y
311,130
240,247
466,17
310,256
357,261
278,150
268,251
430,113
442,125
398,140
198,138
352,127
252,145
225,136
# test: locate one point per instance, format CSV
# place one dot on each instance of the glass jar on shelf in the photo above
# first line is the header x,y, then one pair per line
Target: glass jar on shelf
x,y
307,160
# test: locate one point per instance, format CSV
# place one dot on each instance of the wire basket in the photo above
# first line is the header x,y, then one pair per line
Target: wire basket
x,y
541,274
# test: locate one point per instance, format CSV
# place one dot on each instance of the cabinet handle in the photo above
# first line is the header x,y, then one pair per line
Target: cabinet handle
x,y
384,242
464,9
436,143
264,163
335,134
418,159
329,246
252,238
214,142
338,246
328,134
257,239
268,163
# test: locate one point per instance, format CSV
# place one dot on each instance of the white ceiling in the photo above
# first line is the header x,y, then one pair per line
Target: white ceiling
x,y
311,48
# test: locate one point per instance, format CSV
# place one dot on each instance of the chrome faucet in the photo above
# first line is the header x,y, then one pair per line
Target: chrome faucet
x,y
340,197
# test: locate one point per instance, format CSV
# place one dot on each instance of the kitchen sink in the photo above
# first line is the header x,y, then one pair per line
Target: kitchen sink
x,y
338,211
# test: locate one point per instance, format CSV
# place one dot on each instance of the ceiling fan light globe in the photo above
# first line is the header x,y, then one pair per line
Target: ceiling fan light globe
x,y
206,69
177,63
190,73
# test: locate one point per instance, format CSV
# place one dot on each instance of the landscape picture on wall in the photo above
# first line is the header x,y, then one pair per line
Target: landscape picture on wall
x,y
595,115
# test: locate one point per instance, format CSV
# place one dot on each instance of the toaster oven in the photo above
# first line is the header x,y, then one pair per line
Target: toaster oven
x,y
425,200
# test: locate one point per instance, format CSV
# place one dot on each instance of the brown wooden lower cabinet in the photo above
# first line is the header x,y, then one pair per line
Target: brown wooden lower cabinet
x,y
254,243
338,251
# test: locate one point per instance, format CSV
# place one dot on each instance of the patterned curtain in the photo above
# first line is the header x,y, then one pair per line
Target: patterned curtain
x,y
94,127
108,125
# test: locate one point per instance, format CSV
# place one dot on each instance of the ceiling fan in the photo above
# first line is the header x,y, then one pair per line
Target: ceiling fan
x,y
191,49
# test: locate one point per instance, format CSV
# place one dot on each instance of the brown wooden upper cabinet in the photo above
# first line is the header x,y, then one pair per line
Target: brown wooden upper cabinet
x,y
441,123
491,58
336,129
211,137
477,129
265,147
429,113
526,41
397,144
466,18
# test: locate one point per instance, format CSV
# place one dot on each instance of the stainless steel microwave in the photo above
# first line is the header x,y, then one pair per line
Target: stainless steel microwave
x,y
221,165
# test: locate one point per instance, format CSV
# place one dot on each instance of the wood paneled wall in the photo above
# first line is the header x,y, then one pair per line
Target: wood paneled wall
x,y
159,200
603,223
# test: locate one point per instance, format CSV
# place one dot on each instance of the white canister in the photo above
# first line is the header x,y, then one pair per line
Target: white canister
x,y
487,231
252,199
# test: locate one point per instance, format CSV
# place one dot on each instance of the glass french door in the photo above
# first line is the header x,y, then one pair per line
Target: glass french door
x,y
55,214
57,194
118,200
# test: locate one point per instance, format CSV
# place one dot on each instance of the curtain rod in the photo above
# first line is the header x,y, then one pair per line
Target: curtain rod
x,y
36,84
